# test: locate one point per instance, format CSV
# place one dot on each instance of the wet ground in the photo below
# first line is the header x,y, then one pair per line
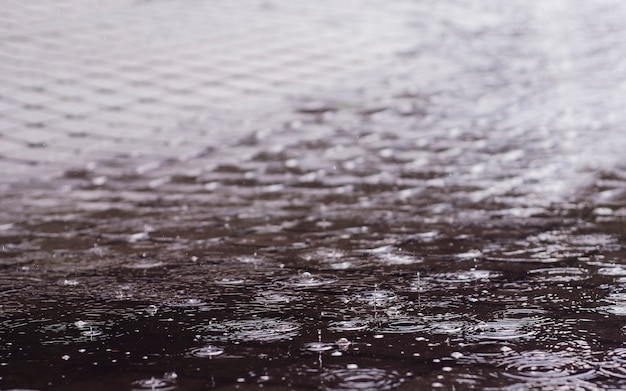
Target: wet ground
x,y
442,207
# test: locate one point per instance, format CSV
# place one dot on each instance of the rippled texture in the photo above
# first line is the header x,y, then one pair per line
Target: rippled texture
x,y
452,217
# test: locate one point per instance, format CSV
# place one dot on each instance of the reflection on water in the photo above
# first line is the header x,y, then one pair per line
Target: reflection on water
x,y
446,228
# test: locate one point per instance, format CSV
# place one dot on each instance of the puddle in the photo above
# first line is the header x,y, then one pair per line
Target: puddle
x,y
458,224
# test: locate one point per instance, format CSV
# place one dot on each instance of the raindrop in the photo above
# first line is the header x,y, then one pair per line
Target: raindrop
x,y
540,365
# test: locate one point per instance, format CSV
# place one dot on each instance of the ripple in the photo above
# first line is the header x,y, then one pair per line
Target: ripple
x,y
360,379
260,330
398,259
617,304
405,325
612,271
274,298
507,329
349,325
466,276
614,365
318,346
186,303
206,351
559,274
541,365
74,332
434,324
229,281
153,384
144,264
308,280
376,297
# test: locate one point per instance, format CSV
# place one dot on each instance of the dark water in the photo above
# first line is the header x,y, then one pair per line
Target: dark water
x,y
453,235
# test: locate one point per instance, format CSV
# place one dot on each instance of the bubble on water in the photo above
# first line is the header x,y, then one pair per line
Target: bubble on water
x,y
360,379
263,329
343,343
309,280
153,384
206,351
542,365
